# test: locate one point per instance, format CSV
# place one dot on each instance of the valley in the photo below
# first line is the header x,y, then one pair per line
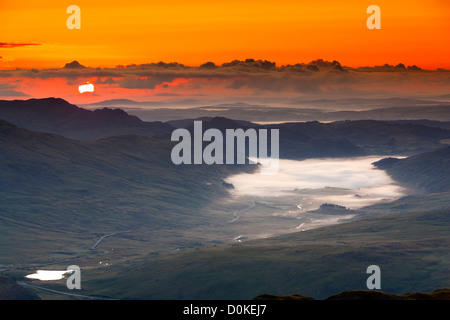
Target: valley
x,y
142,227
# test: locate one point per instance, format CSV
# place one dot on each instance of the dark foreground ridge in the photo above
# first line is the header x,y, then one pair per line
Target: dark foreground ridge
x,y
440,294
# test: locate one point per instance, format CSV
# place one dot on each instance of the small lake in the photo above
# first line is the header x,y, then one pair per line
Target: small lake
x,y
47,275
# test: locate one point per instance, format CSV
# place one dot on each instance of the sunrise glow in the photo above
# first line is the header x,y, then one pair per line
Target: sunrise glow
x,y
41,56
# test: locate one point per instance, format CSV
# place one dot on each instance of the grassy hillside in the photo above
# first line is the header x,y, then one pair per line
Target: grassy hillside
x,y
411,250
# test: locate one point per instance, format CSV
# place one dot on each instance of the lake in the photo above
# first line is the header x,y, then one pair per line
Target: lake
x,y
47,275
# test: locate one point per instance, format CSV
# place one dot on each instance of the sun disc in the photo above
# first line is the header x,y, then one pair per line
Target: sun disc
x,y
86,87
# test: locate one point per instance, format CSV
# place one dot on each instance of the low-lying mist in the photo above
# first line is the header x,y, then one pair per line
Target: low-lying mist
x,y
350,182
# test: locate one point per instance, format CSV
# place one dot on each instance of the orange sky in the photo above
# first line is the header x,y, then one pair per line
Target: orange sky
x,y
196,31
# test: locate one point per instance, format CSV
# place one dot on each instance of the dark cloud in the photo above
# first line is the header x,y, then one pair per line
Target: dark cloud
x,y
390,68
167,94
251,64
7,90
208,65
6,45
66,73
146,82
171,65
108,80
318,65
12,93
74,65
315,77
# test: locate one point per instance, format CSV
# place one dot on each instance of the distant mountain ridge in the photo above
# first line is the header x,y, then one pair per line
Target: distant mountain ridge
x,y
297,110
55,115
299,140
114,102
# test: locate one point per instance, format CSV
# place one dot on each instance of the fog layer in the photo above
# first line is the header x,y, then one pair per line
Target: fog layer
x,y
350,182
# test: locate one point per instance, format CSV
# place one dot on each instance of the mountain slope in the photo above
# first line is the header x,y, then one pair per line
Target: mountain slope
x,y
53,188
427,172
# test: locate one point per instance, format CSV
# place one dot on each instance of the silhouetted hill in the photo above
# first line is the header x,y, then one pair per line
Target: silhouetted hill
x,y
429,172
56,115
440,294
267,296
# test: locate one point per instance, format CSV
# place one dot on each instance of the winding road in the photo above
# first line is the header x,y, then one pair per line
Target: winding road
x,y
94,246
235,214
105,236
